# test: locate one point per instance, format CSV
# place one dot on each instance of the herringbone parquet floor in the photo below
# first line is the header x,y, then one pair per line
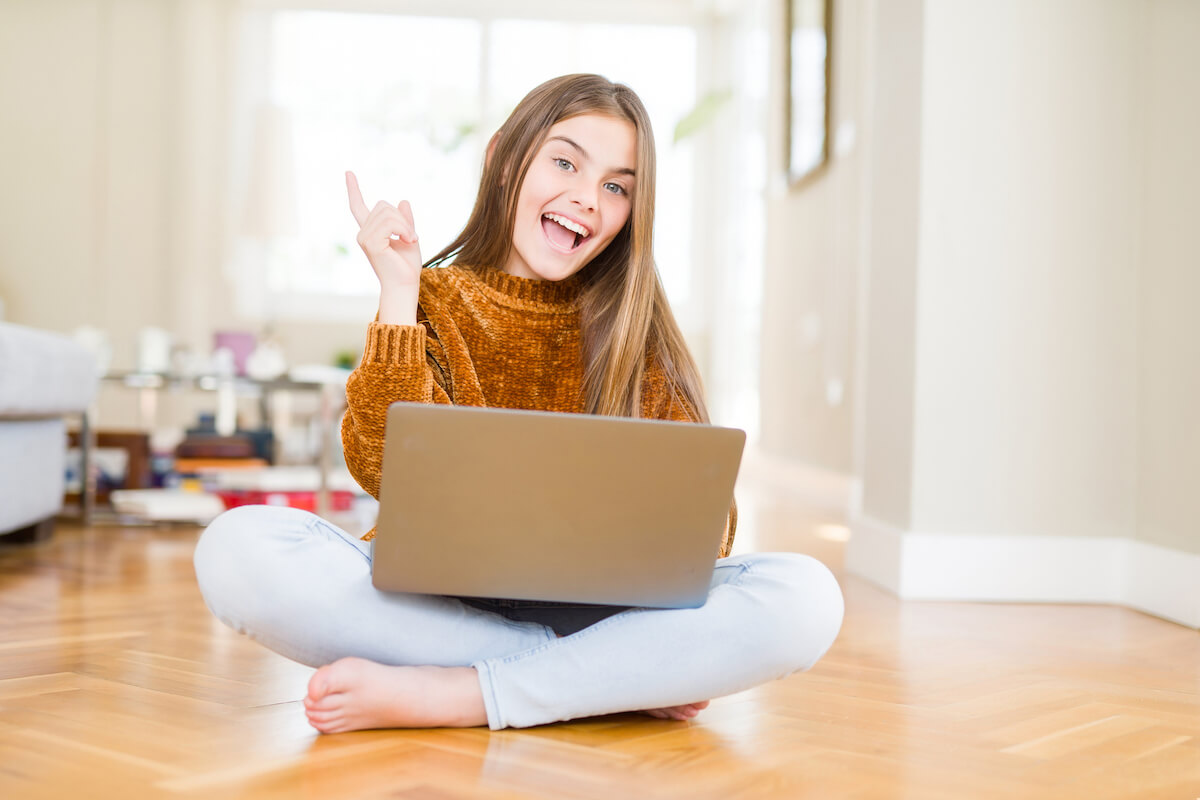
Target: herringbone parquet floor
x,y
115,682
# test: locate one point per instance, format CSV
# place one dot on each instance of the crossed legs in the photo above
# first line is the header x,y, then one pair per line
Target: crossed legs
x,y
302,587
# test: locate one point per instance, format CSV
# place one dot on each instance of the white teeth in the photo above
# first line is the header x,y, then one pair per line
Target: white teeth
x,y
569,225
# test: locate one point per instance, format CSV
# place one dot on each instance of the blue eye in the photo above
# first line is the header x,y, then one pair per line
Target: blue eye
x,y
615,188
563,164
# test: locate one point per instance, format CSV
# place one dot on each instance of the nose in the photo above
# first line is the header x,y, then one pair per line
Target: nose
x,y
585,196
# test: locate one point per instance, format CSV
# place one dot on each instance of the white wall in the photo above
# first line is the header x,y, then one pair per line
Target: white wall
x,y
894,32
1018,210
1055,369
1169,291
1027,288
83,187
114,119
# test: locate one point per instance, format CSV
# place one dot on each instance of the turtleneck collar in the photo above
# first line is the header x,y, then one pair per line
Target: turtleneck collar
x,y
547,295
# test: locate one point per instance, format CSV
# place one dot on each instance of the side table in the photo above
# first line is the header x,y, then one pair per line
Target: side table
x,y
149,386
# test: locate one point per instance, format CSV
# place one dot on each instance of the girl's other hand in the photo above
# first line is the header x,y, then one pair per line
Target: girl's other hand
x,y
387,235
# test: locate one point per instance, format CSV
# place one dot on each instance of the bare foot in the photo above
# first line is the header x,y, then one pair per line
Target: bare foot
x,y
677,712
354,694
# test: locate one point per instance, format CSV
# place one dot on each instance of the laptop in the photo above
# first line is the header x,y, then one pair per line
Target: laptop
x,y
572,508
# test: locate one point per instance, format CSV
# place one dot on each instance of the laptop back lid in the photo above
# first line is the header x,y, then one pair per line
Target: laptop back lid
x,y
545,506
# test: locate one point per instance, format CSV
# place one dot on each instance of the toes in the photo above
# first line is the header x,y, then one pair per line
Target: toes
x,y
318,713
329,702
318,684
324,727
334,678
326,722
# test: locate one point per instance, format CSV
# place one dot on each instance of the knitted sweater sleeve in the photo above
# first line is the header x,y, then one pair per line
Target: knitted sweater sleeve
x,y
399,363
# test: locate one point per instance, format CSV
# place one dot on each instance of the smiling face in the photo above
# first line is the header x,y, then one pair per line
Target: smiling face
x,y
576,197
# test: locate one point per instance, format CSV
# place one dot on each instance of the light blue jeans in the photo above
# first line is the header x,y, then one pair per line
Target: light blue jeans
x,y
302,587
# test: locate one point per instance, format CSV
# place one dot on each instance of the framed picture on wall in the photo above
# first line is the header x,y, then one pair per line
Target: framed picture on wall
x,y
809,30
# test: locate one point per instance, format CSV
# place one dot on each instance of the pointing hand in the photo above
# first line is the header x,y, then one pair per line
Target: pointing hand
x,y
388,237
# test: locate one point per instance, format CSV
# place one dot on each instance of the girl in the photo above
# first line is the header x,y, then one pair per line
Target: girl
x,y
549,299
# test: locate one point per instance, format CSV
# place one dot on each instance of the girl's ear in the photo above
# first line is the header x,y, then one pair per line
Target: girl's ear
x,y
491,148
491,151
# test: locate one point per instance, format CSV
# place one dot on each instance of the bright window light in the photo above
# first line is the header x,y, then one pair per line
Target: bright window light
x,y
358,101
376,94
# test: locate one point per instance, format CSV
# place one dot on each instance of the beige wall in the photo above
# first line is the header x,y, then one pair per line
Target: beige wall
x,y
114,116
84,182
1028,354
810,286
894,32
1169,290
1027,284
856,221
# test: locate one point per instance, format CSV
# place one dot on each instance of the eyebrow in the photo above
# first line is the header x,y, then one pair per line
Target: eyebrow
x,y
584,153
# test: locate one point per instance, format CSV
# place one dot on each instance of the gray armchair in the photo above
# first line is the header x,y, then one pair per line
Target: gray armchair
x,y
44,377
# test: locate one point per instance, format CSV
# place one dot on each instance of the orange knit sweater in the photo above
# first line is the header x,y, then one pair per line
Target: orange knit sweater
x,y
482,338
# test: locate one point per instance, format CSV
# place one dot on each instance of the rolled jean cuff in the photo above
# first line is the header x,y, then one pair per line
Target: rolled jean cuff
x,y
486,687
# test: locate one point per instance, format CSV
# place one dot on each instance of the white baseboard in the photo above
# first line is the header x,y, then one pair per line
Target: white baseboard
x,y
1163,582
1157,580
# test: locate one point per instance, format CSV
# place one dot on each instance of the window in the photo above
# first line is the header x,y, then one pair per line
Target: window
x,y
409,101
379,95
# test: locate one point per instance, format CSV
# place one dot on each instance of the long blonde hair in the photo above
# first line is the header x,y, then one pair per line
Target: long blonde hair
x,y
623,308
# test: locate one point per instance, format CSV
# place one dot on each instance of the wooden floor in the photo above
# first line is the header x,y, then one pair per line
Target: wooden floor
x,y
115,682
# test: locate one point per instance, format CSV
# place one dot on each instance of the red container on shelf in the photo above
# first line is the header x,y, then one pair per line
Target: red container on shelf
x,y
339,500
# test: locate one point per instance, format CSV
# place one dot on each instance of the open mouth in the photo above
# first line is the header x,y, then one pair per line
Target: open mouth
x,y
565,234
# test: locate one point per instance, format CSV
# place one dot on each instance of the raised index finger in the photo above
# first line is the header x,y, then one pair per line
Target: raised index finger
x,y
357,207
